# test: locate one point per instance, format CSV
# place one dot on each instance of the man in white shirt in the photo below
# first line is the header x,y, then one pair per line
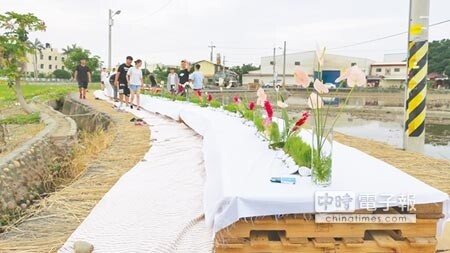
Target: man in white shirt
x,y
197,78
172,81
103,78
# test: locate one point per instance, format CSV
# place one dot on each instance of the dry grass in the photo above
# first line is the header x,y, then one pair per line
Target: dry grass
x,y
48,225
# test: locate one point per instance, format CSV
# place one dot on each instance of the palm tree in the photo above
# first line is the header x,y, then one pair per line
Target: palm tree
x,y
69,49
36,46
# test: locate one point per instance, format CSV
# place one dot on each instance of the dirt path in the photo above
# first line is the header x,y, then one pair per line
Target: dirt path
x,y
62,212
434,172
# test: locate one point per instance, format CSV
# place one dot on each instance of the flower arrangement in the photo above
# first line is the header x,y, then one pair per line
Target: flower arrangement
x,y
322,141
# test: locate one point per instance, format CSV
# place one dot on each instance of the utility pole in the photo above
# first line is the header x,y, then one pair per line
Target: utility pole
x,y
110,24
284,65
417,69
274,71
212,51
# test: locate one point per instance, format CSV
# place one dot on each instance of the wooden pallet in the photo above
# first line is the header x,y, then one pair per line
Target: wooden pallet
x,y
300,233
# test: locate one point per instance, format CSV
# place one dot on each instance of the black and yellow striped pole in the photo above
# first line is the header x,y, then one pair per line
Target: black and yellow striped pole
x,y
416,86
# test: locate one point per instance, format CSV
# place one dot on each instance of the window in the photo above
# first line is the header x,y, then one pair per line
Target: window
x,y
41,57
297,63
56,58
49,57
387,71
378,69
49,66
62,58
353,64
271,62
396,69
62,67
56,66
42,66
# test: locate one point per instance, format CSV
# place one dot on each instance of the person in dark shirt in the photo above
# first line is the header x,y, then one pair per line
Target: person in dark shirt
x,y
153,80
183,76
121,82
83,77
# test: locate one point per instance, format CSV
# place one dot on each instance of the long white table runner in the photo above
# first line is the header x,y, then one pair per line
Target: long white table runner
x,y
239,166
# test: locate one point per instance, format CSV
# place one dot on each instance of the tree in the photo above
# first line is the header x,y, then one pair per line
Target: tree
x,y
69,49
439,57
76,54
244,69
62,74
161,73
14,46
37,46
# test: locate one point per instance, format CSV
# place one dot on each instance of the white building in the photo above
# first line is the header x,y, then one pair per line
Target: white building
x,y
48,60
334,65
387,74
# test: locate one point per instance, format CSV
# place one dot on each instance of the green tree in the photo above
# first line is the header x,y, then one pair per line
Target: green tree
x,y
439,57
76,54
161,73
62,74
14,46
69,49
244,69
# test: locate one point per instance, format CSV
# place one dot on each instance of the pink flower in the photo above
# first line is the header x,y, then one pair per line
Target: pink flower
x,y
237,100
262,97
269,109
267,121
315,101
251,106
320,87
354,77
282,104
301,78
209,98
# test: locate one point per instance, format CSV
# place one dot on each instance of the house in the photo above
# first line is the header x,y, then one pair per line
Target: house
x,y
333,66
387,74
438,80
47,61
208,68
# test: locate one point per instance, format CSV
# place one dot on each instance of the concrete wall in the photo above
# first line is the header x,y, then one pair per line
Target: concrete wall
x,y
24,171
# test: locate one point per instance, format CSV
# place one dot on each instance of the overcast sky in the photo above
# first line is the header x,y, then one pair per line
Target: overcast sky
x,y
243,30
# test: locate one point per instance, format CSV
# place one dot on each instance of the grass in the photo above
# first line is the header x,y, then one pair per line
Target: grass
x,y
298,150
21,119
43,91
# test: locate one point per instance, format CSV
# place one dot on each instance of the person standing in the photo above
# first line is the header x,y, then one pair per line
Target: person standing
x,y
183,76
112,78
103,78
121,82
153,82
197,78
83,77
135,82
172,81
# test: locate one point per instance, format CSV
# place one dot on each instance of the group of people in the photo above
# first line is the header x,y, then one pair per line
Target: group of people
x,y
125,83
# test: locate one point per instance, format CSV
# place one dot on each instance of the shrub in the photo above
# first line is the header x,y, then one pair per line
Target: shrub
x,y
215,104
231,107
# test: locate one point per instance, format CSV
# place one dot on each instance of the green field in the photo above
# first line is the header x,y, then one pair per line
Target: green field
x,y
42,91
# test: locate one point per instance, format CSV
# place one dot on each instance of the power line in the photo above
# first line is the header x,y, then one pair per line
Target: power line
x,y
384,37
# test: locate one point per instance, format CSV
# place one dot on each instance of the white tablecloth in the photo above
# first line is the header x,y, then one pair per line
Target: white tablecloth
x,y
239,166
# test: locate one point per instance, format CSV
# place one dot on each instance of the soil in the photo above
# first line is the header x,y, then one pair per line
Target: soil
x,y
17,134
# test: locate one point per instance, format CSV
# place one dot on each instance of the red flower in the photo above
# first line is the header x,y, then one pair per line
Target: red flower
x,y
237,100
301,121
269,109
199,93
209,97
251,106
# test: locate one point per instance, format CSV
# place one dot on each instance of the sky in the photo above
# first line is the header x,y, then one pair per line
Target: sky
x,y
165,31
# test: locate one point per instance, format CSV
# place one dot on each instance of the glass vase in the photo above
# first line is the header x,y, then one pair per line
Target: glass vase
x,y
322,159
